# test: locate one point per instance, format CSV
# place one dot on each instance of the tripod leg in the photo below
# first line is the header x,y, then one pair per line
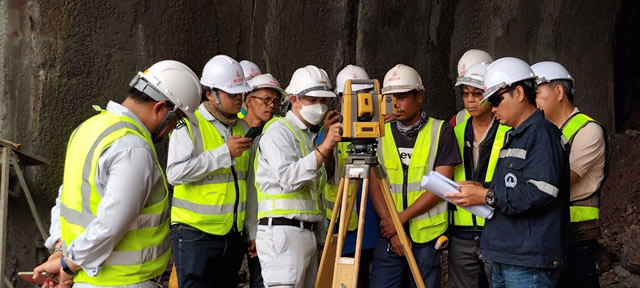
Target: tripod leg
x,y
384,186
324,278
342,232
361,218
352,199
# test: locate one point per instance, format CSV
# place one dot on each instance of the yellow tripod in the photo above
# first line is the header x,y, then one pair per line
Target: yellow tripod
x,y
342,272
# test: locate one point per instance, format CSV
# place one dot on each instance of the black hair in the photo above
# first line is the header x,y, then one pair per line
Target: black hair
x,y
139,96
566,86
529,89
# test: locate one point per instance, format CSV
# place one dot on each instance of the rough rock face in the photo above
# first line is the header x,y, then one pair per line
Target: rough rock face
x,y
631,250
59,57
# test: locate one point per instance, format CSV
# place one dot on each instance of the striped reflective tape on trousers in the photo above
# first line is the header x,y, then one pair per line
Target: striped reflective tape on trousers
x,y
138,257
207,209
437,210
221,178
287,204
514,152
85,217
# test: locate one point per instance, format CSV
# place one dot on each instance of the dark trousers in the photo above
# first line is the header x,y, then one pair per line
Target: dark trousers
x,y
392,271
581,271
255,272
203,260
465,268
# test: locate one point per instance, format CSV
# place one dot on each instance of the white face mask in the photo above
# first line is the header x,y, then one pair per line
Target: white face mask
x,y
314,114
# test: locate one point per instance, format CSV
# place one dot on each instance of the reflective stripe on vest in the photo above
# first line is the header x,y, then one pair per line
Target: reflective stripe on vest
x,y
462,116
432,223
144,250
584,211
210,203
303,201
331,190
463,217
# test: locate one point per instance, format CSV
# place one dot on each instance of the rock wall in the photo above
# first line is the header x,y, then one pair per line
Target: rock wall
x,y
59,57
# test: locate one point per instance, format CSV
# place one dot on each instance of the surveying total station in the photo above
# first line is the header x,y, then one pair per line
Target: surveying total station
x,y
362,125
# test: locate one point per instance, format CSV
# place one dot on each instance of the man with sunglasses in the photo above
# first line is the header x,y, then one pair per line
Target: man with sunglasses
x,y
526,238
589,162
111,217
262,102
480,139
208,163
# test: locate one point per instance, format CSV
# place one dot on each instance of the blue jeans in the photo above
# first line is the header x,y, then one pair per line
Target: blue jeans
x,y
202,259
390,270
514,276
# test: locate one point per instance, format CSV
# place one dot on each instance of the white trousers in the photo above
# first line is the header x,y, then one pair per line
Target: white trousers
x,y
288,256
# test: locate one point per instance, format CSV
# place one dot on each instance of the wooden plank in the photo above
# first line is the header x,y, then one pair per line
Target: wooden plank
x,y
32,205
4,206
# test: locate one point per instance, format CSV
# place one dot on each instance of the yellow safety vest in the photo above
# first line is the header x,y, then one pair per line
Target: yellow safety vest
x,y
215,202
432,223
462,116
144,250
463,217
298,202
586,210
331,189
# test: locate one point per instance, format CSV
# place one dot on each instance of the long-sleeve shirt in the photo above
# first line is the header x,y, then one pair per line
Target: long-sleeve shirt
x,y
280,170
187,163
127,178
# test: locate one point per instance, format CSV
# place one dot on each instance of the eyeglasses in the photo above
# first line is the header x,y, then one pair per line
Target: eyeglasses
x,y
267,100
497,98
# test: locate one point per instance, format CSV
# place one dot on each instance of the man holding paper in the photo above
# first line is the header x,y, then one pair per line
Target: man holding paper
x,y
413,145
526,239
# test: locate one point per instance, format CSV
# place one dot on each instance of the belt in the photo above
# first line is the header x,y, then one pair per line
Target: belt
x,y
585,230
287,222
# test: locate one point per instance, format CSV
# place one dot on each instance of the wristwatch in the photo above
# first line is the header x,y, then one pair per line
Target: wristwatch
x,y
66,267
490,198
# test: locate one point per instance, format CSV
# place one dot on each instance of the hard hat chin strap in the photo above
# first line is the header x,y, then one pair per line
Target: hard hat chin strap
x,y
163,124
218,103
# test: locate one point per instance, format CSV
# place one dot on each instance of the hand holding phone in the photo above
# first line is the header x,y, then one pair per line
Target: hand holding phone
x,y
28,276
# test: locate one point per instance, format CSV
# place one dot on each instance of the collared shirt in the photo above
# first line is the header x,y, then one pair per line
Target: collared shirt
x,y
587,159
188,163
280,170
531,182
128,158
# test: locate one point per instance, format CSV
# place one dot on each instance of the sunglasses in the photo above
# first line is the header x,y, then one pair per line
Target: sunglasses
x,y
267,100
497,98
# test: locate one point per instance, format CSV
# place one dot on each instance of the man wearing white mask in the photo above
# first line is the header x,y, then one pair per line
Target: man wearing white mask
x,y
290,176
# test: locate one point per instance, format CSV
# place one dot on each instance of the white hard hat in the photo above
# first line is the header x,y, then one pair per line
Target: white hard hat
x,y
474,76
470,58
351,72
250,69
401,78
267,81
171,81
548,71
310,81
224,73
504,72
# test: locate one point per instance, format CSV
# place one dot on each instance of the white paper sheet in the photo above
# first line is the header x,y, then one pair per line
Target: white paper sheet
x,y
437,184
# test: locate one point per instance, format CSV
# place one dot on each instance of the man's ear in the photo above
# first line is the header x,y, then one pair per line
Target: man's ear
x,y
518,93
559,90
209,95
420,96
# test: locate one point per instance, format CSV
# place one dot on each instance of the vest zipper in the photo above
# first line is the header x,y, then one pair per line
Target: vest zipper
x,y
234,228
405,173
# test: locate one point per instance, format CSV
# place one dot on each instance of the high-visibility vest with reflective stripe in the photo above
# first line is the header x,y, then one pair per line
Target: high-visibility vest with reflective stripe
x,y
463,217
432,223
144,250
331,190
298,202
462,116
214,203
584,211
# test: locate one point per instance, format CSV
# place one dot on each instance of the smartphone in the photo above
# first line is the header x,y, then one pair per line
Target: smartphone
x,y
28,276
254,132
